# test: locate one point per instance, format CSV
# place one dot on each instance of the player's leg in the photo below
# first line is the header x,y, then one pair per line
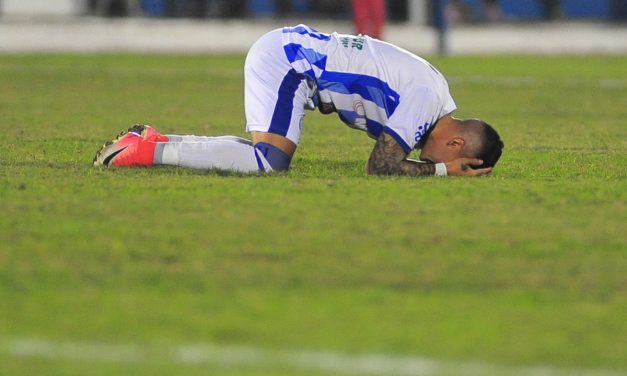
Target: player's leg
x,y
142,145
275,96
275,100
360,16
378,18
224,153
369,16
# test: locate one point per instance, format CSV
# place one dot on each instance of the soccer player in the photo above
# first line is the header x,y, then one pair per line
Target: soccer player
x,y
395,97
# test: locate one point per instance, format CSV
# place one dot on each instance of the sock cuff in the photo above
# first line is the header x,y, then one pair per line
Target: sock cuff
x,y
166,153
277,158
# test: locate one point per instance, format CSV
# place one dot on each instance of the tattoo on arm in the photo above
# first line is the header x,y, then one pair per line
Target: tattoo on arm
x,y
389,158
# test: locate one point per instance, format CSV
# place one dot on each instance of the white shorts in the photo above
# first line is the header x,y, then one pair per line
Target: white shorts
x,y
274,94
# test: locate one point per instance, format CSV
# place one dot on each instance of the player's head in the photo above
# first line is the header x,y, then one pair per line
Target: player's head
x,y
452,138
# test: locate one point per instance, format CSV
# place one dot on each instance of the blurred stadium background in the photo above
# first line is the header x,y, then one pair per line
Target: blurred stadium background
x,y
474,26
399,10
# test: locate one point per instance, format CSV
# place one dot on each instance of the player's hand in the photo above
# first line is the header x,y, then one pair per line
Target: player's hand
x,y
463,167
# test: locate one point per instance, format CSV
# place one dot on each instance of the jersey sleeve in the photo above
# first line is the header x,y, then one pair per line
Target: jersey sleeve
x,y
417,112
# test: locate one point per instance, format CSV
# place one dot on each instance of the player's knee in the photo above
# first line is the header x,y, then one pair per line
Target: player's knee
x,y
276,158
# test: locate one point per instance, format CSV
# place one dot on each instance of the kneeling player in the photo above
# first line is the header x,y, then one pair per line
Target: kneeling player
x,y
396,97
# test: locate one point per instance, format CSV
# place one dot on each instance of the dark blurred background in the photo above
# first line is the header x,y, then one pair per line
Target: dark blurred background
x,y
416,11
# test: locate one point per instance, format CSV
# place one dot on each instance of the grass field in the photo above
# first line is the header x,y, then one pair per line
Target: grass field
x,y
526,268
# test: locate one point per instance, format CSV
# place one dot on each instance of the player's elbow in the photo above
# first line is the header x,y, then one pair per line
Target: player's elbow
x,y
381,166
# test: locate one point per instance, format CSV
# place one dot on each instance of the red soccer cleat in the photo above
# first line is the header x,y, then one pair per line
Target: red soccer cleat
x,y
135,147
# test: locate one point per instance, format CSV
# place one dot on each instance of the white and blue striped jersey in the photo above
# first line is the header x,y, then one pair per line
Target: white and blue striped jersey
x,y
374,85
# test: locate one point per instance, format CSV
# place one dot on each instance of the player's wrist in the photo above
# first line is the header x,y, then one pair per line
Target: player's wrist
x,y
440,169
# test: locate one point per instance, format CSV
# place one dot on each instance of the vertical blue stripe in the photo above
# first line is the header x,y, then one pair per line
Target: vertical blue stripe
x,y
282,116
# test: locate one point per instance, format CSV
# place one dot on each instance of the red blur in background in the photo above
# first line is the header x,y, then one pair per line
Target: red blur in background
x,y
369,16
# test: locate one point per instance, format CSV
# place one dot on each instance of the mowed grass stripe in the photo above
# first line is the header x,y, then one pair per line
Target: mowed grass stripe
x,y
247,356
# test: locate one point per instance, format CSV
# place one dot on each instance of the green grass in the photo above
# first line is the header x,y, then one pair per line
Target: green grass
x,y
525,267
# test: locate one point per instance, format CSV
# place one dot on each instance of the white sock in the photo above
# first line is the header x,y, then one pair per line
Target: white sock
x,y
202,152
179,138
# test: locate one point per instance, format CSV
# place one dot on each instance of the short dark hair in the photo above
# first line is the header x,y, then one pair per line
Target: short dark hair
x,y
491,146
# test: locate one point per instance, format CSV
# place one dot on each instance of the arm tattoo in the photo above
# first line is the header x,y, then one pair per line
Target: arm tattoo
x,y
389,158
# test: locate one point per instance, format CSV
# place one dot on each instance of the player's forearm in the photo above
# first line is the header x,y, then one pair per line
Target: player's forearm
x,y
389,158
415,168
404,167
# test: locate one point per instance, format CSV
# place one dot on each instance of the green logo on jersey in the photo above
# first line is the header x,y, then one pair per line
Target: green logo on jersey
x,y
353,42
